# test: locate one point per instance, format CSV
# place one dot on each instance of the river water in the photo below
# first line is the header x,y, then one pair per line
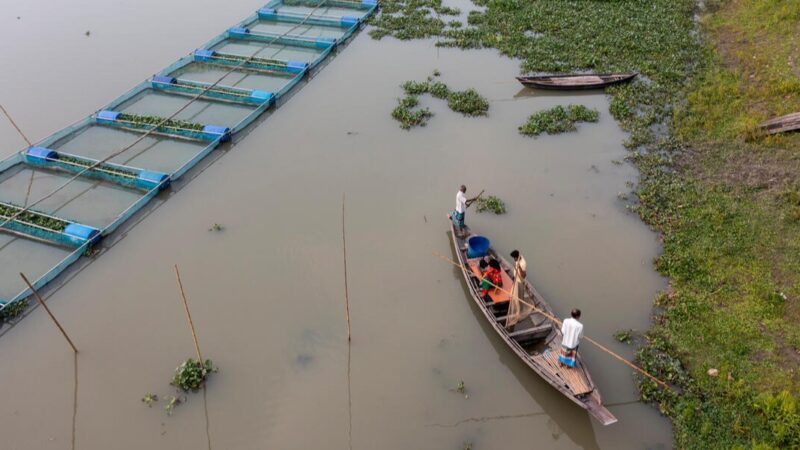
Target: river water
x,y
267,292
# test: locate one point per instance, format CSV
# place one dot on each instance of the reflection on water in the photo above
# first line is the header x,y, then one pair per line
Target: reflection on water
x,y
267,294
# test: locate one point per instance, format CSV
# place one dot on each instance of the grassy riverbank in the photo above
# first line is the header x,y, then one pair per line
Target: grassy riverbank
x,y
726,201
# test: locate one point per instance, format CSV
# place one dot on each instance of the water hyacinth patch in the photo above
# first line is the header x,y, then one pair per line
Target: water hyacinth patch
x,y
155,120
190,375
467,102
407,116
8,210
13,310
490,203
101,167
558,120
411,19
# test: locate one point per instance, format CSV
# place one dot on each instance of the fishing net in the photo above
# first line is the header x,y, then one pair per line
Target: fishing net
x,y
517,310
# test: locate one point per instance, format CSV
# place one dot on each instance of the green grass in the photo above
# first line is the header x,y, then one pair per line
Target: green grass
x,y
558,120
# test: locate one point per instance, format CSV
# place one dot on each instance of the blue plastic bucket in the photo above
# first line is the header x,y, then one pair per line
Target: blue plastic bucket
x,y
477,246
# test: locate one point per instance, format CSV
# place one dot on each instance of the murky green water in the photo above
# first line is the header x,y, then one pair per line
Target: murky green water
x,y
267,292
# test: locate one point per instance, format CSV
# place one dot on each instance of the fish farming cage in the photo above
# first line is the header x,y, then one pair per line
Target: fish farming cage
x,y
360,9
57,231
270,20
267,84
112,163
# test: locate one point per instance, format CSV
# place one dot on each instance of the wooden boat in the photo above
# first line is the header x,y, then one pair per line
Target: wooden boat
x,y
576,81
782,124
536,339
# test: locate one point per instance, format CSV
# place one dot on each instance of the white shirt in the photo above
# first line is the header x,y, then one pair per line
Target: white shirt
x,y
461,202
572,331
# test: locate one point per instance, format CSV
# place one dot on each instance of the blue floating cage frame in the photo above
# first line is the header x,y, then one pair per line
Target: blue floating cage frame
x,y
366,7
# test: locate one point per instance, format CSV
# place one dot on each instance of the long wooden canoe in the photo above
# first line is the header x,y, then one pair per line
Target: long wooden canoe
x,y
536,339
782,124
576,81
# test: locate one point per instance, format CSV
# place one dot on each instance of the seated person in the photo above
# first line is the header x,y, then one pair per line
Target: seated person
x,y
492,278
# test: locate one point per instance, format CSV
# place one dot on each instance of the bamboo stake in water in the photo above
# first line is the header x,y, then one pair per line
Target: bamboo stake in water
x,y
558,322
344,253
189,316
41,302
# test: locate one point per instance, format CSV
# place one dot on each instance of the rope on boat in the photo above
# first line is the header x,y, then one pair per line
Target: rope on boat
x,y
155,127
558,322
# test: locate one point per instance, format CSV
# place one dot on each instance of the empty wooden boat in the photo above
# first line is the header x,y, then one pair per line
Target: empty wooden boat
x,y
782,124
576,81
535,339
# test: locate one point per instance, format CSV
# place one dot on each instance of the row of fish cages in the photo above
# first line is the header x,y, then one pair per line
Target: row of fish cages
x,y
61,196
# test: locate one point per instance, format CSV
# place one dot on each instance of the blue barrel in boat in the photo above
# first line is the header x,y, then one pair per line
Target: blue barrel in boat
x,y
477,246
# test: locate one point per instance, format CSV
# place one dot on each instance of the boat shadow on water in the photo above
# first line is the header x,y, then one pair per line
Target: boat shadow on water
x,y
567,417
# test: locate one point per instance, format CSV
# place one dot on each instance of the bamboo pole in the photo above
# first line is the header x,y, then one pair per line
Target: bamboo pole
x,y
558,322
41,302
14,124
191,323
346,294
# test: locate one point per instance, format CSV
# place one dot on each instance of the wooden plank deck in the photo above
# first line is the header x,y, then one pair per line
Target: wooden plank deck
x,y
789,122
573,377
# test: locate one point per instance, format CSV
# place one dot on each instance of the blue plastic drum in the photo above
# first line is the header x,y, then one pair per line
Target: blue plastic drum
x,y
477,246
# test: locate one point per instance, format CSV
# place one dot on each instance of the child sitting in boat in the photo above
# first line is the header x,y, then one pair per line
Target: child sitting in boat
x,y
492,278
572,330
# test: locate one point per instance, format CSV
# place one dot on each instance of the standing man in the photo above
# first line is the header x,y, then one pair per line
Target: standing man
x,y
573,332
462,203
520,265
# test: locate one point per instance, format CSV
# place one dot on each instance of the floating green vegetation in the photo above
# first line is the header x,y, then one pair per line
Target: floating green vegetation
x,y
107,168
624,336
216,227
172,402
149,399
468,102
411,19
250,59
491,204
190,375
155,120
13,310
408,117
558,120
461,388
218,89
8,210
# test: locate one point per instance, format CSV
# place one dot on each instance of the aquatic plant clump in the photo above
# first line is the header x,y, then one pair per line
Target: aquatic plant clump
x,y
218,89
31,217
155,120
468,103
558,120
13,310
408,117
190,375
411,19
128,173
490,203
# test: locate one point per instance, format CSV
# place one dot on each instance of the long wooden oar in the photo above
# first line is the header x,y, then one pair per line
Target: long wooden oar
x,y
557,321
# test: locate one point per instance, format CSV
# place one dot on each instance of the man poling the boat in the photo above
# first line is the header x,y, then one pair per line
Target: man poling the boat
x,y
462,203
572,330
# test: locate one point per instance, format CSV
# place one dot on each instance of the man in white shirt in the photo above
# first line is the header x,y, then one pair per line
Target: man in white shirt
x,y
572,330
462,203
